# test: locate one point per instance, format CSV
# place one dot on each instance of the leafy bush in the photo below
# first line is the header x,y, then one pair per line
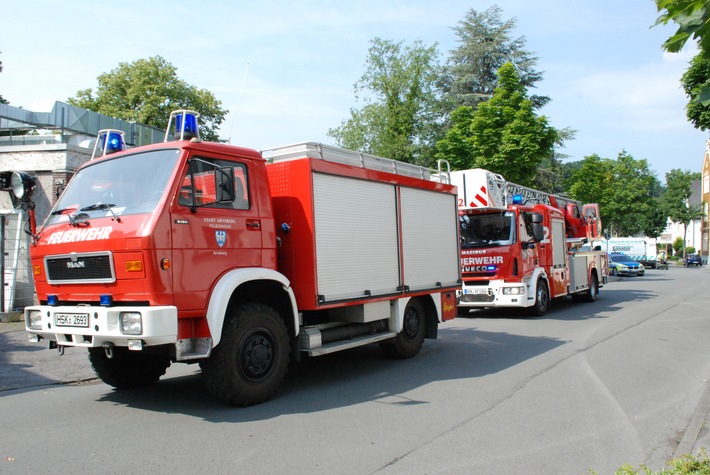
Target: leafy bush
x,y
684,465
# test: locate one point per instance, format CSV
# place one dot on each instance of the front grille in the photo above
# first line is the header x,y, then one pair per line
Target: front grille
x,y
477,298
95,267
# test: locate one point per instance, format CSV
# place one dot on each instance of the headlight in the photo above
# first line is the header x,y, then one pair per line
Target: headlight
x,y
514,290
34,320
131,323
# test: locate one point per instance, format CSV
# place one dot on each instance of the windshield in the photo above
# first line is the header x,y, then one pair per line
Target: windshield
x,y
129,184
483,230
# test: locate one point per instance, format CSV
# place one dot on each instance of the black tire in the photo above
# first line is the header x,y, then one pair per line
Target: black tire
x,y
614,272
128,369
251,360
593,290
542,298
409,341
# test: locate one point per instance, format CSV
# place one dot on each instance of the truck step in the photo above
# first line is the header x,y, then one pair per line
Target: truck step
x,y
347,344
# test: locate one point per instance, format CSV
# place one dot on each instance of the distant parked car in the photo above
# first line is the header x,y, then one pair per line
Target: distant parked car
x,y
692,260
621,264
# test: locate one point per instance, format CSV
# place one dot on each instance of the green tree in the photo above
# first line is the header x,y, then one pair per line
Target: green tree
x,y
503,135
693,81
693,20
676,198
486,43
634,196
146,91
591,181
626,189
402,113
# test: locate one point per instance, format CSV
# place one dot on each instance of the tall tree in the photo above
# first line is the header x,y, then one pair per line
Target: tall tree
x,y
146,91
401,115
503,135
486,42
676,199
693,81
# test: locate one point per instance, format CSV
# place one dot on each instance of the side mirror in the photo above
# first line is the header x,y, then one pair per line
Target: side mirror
x,y
224,184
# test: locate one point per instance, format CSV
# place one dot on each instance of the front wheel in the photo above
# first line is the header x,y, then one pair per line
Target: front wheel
x,y
542,298
251,360
127,369
409,341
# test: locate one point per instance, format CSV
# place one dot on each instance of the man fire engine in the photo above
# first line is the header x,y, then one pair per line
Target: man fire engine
x,y
189,251
519,246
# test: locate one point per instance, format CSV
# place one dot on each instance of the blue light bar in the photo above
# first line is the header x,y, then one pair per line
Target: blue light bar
x,y
52,300
517,199
491,268
105,300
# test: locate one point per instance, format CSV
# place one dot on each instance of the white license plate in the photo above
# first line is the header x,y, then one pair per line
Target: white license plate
x,y
476,291
71,319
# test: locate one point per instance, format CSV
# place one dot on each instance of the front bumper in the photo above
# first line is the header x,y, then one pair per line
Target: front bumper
x,y
496,294
99,325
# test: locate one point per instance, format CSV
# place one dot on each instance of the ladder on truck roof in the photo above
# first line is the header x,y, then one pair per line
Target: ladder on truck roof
x,y
500,192
357,159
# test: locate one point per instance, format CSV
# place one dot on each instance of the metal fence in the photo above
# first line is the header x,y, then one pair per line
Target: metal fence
x,y
16,276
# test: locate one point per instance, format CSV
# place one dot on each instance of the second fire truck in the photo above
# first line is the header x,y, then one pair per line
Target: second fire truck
x,y
520,247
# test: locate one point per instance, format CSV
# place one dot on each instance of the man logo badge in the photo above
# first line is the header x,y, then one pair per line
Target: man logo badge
x,y
220,237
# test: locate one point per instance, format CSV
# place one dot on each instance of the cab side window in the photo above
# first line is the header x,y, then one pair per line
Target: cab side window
x,y
198,184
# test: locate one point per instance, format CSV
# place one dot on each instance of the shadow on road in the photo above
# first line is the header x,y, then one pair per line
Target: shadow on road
x,y
349,378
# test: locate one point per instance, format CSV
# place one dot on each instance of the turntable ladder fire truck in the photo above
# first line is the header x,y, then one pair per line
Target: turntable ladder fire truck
x,y
520,246
196,252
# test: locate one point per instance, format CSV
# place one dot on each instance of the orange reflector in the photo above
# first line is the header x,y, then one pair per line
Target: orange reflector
x,y
165,264
134,266
37,270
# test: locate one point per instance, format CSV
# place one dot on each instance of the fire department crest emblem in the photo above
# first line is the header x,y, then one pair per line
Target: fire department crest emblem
x,y
221,237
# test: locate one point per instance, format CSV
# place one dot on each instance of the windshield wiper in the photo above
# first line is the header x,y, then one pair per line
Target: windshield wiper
x,y
102,207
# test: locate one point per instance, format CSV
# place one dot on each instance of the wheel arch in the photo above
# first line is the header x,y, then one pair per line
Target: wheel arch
x,y
257,285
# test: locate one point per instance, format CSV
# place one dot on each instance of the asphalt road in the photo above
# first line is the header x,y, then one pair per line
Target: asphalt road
x,y
588,386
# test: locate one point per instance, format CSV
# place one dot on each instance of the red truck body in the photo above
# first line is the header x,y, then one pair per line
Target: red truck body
x,y
503,262
203,252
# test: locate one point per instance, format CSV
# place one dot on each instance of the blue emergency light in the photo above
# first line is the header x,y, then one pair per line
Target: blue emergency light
x,y
517,199
110,141
490,268
185,125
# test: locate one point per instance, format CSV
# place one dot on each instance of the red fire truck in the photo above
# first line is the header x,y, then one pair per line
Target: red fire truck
x,y
520,247
189,251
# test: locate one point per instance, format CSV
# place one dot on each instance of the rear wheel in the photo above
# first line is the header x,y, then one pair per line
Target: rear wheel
x,y
127,369
409,341
542,298
251,360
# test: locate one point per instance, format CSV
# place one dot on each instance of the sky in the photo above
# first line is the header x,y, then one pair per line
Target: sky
x,y
285,70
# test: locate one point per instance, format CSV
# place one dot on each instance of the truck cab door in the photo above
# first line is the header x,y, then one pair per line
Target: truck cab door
x,y
210,237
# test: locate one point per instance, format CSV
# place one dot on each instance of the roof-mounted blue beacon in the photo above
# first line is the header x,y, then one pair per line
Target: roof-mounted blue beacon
x,y
109,141
185,125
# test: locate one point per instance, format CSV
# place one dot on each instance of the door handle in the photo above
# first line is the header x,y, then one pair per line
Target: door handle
x,y
252,223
